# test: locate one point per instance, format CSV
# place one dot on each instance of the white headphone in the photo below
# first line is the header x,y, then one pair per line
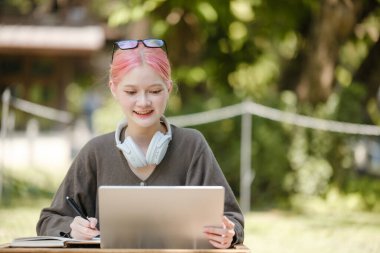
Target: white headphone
x,y
156,150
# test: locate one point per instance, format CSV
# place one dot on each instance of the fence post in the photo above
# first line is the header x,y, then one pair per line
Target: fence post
x,y
245,160
5,98
32,132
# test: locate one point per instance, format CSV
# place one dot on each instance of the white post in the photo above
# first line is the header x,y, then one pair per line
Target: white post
x,y
245,161
6,98
32,132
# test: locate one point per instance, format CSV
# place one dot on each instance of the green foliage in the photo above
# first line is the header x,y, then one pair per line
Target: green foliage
x,y
26,186
340,201
225,150
349,108
311,173
269,162
108,116
366,187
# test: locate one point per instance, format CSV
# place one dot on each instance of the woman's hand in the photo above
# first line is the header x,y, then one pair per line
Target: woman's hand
x,y
82,229
221,237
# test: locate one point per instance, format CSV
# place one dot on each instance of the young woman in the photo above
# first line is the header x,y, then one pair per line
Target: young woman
x,y
144,150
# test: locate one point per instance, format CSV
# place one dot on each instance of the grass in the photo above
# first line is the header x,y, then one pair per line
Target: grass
x,y
266,231
20,219
276,231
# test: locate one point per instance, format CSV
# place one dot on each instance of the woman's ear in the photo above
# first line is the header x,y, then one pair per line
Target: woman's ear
x,y
170,86
112,87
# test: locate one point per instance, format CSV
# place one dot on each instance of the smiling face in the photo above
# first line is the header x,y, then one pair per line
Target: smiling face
x,y
142,95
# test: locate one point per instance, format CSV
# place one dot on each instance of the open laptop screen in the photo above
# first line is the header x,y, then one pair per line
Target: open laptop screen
x,y
158,216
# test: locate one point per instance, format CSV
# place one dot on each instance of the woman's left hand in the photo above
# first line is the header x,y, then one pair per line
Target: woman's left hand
x,y
221,237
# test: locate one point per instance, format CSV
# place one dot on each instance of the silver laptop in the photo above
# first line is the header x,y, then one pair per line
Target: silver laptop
x,y
167,217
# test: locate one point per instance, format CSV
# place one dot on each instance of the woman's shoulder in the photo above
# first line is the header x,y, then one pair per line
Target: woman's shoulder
x,y
187,134
101,141
104,137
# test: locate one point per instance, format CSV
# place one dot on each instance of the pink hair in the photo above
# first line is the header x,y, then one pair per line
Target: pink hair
x,y
126,60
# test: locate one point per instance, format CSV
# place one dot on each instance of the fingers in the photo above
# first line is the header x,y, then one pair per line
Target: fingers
x,y
227,223
221,237
83,229
93,222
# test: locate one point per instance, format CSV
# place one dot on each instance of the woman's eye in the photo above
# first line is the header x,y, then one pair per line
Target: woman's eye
x,y
156,91
130,92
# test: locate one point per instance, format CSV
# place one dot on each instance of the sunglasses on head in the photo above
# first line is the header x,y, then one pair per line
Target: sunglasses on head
x,y
130,44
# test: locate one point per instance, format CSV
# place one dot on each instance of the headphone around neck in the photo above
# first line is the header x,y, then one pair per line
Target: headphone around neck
x,y
156,150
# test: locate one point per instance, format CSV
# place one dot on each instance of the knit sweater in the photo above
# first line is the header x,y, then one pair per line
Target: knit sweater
x,y
188,161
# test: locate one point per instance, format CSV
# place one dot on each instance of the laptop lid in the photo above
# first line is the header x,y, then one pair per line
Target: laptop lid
x,y
158,216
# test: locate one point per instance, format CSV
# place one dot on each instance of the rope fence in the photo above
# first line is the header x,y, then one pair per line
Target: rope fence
x,y
275,115
42,111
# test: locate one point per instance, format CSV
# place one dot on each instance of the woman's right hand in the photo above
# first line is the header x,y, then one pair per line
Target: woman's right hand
x,y
82,229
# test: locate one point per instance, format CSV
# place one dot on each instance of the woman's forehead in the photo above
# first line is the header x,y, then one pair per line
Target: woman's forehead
x,y
142,76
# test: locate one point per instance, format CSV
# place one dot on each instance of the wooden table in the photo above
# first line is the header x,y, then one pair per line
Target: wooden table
x,y
6,249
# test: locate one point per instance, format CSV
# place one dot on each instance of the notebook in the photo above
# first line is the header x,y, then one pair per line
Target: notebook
x,y
52,242
166,217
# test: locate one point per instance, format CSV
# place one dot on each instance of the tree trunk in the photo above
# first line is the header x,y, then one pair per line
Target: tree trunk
x,y
368,73
334,23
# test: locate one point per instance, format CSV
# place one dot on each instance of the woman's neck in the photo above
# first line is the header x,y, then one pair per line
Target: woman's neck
x,y
143,135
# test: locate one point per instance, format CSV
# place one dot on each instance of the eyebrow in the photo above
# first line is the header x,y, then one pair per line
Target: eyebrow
x,y
149,86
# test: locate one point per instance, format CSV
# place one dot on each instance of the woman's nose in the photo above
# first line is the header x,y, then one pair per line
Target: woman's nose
x,y
143,100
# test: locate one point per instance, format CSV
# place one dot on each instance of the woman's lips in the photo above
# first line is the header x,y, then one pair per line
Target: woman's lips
x,y
143,114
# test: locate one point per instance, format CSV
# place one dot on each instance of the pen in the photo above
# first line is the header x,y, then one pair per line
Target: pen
x,y
75,207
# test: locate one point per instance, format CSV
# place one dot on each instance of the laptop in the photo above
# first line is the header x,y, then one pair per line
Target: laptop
x,y
158,217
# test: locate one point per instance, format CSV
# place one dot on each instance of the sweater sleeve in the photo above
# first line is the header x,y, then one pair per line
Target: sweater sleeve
x,y
80,184
205,170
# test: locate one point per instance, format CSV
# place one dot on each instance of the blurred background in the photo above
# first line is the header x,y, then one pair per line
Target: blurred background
x,y
286,93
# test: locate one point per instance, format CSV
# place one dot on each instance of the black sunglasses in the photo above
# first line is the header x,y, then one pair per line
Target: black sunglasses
x,y
130,44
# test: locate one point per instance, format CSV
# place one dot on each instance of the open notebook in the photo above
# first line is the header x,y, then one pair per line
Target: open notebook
x,y
53,242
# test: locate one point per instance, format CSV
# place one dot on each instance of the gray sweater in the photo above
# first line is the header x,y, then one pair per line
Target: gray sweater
x,y
188,161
